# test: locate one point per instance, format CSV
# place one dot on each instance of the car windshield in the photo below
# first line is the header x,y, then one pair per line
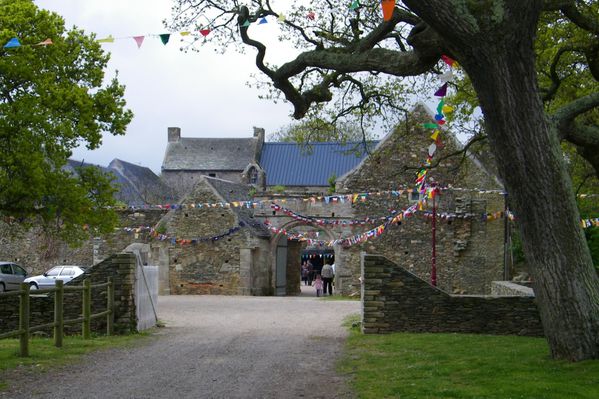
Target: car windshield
x,y
54,271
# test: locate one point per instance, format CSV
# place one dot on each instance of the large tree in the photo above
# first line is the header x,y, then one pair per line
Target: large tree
x,y
493,41
52,99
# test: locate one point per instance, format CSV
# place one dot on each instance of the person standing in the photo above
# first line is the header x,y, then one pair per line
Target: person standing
x,y
327,278
310,272
305,273
318,284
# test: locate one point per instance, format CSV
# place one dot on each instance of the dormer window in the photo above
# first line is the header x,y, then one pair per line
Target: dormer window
x,y
253,176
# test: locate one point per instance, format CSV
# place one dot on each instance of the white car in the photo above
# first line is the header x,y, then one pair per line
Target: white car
x,y
11,276
48,280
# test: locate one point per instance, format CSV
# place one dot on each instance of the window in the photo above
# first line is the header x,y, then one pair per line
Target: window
x,y
67,271
54,271
212,174
5,269
18,270
253,176
414,196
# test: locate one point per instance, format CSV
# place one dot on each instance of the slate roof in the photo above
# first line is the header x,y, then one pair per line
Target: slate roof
x,y
209,154
137,185
291,164
239,192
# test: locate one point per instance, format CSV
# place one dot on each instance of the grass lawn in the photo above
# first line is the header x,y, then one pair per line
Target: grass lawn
x,y
44,355
406,365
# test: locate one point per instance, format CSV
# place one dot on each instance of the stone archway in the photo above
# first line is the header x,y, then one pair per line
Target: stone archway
x,y
286,259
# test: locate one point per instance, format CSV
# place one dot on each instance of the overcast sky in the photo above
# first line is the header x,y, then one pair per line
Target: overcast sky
x,y
205,94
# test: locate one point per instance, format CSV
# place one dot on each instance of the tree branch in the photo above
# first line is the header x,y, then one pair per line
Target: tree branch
x,y
564,116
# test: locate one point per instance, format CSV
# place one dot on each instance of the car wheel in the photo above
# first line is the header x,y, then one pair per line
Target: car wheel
x,y
2,287
33,286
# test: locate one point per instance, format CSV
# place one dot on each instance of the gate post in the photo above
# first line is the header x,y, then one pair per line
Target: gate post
x,y
87,299
24,320
58,313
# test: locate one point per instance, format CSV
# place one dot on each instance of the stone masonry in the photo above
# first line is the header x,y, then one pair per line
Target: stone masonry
x,y
121,267
394,299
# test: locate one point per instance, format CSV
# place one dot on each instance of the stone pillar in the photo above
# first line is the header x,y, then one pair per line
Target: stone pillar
x,y
174,134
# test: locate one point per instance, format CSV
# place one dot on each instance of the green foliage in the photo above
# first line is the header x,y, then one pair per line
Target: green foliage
x,y
278,189
402,365
317,130
332,180
252,192
52,98
161,229
592,236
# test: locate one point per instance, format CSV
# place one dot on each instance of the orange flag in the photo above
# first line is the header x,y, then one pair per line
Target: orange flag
x,y
388,6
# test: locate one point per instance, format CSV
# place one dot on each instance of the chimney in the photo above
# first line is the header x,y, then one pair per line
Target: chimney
x,y
259,135
174,134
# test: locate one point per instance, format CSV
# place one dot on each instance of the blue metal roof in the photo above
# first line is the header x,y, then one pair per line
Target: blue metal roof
x,y
291,164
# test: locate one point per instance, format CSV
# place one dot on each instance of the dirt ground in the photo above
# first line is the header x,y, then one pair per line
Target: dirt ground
x,y
216,347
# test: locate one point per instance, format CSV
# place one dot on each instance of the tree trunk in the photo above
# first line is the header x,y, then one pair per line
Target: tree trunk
x,y
531,165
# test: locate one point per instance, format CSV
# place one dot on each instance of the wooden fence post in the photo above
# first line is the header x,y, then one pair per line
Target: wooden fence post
x,y
110,307
87,305
59,313
24,320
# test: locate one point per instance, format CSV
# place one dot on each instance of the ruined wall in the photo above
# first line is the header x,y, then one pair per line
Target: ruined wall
x,y
395,300
469,249
37,251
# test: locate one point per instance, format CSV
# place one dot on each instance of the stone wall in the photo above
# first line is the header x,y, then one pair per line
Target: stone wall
x,y
37,252
213,266
394,299
507,288
183,181
469,249
121,267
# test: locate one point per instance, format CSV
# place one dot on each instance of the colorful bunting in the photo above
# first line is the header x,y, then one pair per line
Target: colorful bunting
x,y
12,43
388,7
108,39
449,61
139,40
262,21
311,16
46,42
442,92
205,32
355,4
164,38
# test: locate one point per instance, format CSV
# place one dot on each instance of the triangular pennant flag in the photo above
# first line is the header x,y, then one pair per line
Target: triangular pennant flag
x,y
446,77
447,109
281,18
354,5
449,61
430,125
440,106
311,15
204,32
164,37
388,6
139,40
442,91
46,42
12,43
435,135
263,21
246,23
439,117
431,149
184,33
108,39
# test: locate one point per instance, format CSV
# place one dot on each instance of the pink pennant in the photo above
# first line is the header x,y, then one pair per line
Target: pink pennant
x,y
442,91
311,15
204,32
449,61
139,40
45,42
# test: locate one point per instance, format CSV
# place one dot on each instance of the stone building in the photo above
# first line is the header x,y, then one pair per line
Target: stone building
x,y
468,243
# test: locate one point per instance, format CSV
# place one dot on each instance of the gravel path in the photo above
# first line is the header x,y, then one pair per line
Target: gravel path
x,y
216,347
